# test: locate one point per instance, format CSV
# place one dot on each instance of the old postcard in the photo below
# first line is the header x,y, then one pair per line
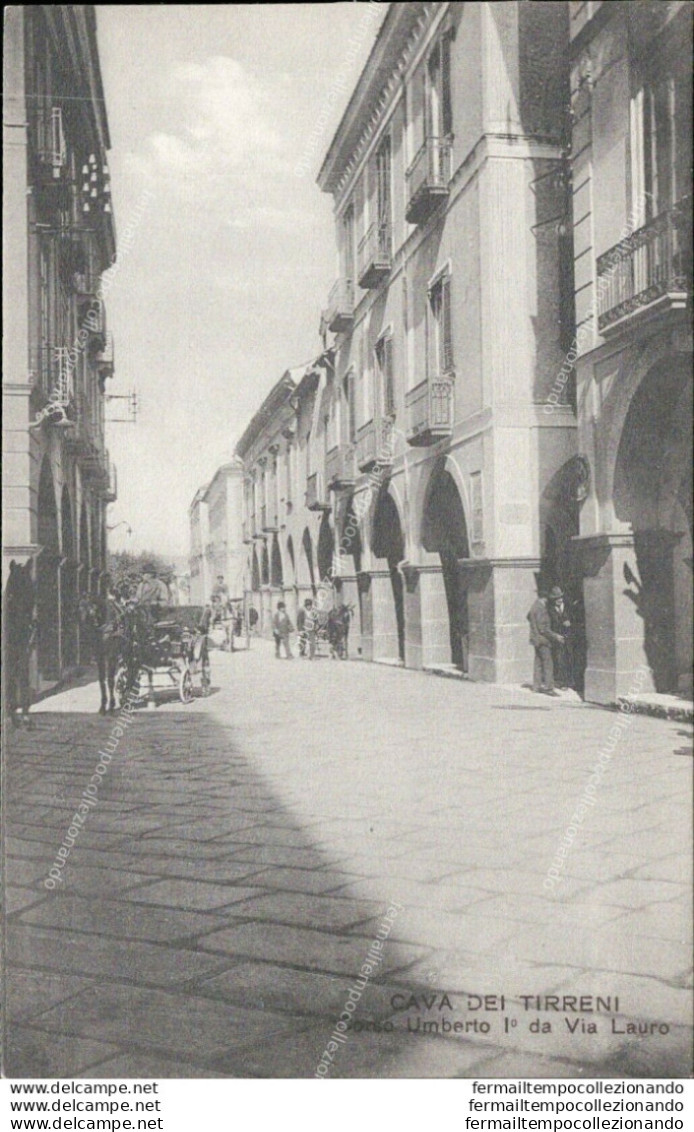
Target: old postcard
x,y
347,543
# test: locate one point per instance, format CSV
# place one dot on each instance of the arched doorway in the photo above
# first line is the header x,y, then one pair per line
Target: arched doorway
x,y
444,532
290,559
47,579
652,493
276,572
560,564
388,543
264,566
307,547
68,584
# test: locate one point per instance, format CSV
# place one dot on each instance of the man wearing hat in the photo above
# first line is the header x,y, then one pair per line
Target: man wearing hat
x,y
542,638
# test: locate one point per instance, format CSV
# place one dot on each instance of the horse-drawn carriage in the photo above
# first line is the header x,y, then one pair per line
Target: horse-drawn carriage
x,y
164,651
144,649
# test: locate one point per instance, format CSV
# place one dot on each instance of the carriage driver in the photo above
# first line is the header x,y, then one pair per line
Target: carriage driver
x,y
151,590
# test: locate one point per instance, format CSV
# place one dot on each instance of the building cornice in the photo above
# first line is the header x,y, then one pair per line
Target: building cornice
x,y
383,72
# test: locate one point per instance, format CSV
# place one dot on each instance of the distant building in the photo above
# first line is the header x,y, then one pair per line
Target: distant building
x,y
58,354
631,95
216,544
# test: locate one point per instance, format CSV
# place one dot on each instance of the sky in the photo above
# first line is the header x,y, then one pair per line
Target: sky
x,y
227,248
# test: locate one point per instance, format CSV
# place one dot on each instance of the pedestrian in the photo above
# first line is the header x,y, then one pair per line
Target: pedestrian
x,y
307,621
252,618
220,589
561,627
281,628
19,632
542,637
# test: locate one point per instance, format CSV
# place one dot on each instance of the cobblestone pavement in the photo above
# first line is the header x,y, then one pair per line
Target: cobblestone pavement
x,y
243,853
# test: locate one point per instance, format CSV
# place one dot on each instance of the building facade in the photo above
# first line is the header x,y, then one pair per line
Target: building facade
x,y
631,93
448,492
58,354
216,543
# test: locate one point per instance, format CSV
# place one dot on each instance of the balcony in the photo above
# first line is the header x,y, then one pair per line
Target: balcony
x,y
648,272
375,255
268,521
429,409
111,486
341,468
338,316
316,495
427,179
104,359
91,316
375,445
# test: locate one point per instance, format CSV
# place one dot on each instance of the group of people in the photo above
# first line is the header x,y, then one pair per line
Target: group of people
x,y
308,624
222,617
552,635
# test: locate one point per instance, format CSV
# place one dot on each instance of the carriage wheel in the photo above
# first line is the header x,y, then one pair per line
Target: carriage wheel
x,y
185,686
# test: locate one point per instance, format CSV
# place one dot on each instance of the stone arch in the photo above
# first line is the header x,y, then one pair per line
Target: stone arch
x,y
276,570
388,544
349,536
291,562
444,532
47,577
652,494
307,547
255,571
325,550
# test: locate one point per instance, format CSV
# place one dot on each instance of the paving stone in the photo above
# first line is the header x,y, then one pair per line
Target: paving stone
x,y
29,993
299,947
34,1053
168,1023
194,894
118,919
310,911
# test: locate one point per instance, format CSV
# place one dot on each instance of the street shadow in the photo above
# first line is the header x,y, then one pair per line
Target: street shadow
x,y
198,928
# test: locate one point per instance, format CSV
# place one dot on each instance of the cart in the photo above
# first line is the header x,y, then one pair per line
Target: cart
x,y
164,652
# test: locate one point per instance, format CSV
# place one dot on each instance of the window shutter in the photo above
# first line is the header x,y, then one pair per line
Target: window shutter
x,y
446,328
446,103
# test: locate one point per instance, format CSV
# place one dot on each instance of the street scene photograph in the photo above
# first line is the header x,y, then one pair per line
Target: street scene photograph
x,y
347,553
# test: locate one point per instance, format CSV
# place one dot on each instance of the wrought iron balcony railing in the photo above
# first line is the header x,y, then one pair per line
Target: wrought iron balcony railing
x,y
427,179
649,271
375,254
338,316
429,409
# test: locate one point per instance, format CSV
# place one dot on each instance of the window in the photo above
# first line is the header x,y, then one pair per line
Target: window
x,y
439,337
439,109
384,366
348,242
383,197
660,134
477,504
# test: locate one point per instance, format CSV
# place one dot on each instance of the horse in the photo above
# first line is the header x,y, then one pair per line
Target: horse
x,y
105,621
18,631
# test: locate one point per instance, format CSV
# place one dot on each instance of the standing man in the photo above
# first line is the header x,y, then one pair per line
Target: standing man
x,y
542,637
310,626
151,591
281,628
561,626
